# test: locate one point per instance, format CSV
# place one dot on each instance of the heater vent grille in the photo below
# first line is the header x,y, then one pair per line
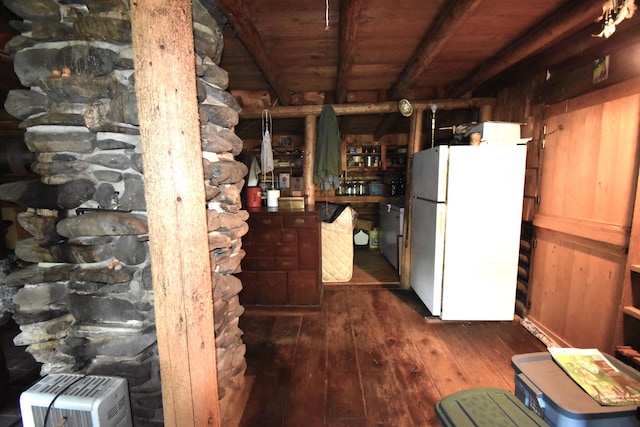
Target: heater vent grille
x,y
77,401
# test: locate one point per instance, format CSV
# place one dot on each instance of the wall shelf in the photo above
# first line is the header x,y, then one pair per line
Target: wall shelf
x,y
632,311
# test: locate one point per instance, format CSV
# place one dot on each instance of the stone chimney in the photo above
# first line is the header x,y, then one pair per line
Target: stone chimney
x,y
85,303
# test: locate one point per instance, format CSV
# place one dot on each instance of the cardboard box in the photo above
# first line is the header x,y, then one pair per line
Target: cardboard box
x,y
364,224
497,131
291,203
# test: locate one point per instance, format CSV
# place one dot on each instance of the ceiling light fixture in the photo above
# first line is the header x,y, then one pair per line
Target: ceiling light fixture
x,y
405,108
614,12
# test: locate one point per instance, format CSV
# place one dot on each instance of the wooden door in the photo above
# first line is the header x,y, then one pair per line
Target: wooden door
x,y
589,168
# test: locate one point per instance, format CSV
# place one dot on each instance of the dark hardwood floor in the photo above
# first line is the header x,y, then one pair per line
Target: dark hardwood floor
x,y
370,267
371,356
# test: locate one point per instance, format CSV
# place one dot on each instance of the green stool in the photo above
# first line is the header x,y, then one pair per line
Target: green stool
x,y
490,407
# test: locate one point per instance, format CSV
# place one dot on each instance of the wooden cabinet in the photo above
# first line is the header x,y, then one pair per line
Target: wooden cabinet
x,y
283,259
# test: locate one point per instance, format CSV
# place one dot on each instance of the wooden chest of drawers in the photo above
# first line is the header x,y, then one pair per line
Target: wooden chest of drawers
x,y
283,259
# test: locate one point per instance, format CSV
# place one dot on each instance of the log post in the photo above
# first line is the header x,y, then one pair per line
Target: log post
x,y
310,123
415,145
164,63
486,113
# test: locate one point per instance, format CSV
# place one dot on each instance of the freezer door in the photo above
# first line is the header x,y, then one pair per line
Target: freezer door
x,y
429,173
427,252
391,219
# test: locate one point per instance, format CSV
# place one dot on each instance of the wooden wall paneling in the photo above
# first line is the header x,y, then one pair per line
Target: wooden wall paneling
x,y
530,191
588,181
573,80
574,288
533,129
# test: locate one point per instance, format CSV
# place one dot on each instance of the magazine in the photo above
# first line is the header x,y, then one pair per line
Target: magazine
x,y
592,371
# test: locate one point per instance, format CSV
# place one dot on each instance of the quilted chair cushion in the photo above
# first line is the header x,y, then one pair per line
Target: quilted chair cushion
x,y
337,247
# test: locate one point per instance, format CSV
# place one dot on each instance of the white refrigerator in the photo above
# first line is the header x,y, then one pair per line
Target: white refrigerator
x,y
465,229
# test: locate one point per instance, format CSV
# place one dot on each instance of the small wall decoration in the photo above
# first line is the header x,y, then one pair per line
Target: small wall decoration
x,y
286,141
284,181
601,69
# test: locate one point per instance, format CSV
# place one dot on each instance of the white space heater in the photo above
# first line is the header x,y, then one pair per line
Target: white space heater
x,y
73,400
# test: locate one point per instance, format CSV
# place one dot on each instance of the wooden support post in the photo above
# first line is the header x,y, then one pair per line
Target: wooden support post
x,y
486,113
163,53
415,145
310,123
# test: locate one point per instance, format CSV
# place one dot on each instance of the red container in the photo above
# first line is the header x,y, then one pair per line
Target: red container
x,y
254,197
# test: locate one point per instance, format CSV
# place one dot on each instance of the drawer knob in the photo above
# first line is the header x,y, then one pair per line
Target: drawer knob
x,y
299,221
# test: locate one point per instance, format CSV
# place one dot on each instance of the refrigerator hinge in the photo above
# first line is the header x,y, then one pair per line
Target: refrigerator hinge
x,y
543,143
534,243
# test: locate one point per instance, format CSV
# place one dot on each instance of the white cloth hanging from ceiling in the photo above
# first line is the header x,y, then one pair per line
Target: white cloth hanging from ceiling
x,y
266,152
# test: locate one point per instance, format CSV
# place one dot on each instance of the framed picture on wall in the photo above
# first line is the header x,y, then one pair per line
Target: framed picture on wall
x,y
284,180
601,69
286,141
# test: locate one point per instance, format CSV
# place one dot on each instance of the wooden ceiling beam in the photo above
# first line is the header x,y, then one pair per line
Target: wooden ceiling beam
x,y
454,14
349,21
286,112
566,18
240,19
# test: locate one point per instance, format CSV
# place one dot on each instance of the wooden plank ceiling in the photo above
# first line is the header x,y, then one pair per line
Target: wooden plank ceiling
x,y
281,52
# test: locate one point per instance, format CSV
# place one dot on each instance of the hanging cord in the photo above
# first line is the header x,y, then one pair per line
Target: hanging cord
x,y
267,122
60,393
326,15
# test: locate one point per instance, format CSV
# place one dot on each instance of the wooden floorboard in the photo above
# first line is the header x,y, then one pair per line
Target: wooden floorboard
x,y
371,356
370,267
378,355
308,374
344,382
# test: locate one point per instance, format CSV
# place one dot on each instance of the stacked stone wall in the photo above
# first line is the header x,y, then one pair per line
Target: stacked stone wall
x,y
85,303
